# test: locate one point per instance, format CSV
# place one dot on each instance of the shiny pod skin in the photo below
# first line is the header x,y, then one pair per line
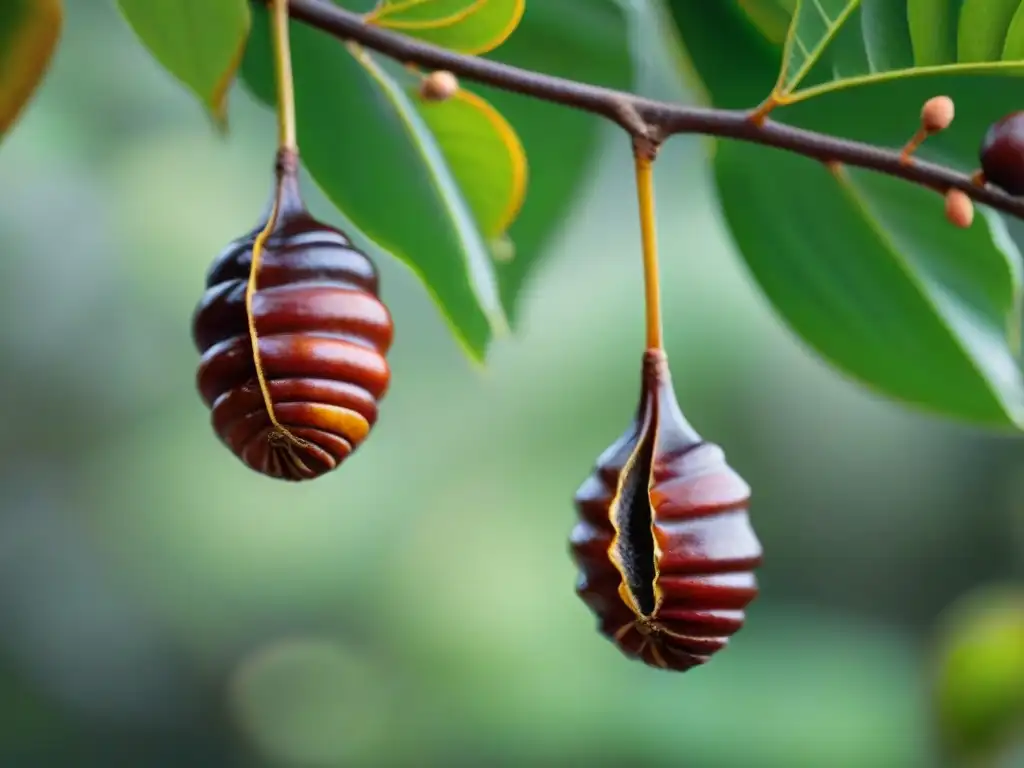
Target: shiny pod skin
x,y
1002,154
322,338
664,545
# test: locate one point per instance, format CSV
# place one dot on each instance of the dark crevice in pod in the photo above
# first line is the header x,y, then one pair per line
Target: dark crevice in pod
x,y
633,518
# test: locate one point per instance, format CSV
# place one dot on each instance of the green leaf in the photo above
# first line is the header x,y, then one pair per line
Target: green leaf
x,y
467,26
200,42
29,31
979,681
737,81
849,51
1014,47
771,17
812,29
933,30
885,28
957,293
885,112
579,39
876,281
983,27
919,38
484,154
363,141
882,109
416,12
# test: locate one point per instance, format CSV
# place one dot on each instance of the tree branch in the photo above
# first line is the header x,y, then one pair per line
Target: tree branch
x,y
645,117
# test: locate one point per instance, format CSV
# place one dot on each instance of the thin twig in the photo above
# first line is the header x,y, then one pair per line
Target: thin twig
x,y
660,118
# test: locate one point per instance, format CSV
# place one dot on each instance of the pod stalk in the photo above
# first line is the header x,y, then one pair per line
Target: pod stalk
x,y
287,136
644,154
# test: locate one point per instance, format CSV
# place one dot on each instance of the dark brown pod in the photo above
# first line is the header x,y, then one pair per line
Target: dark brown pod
x,y
1002,154
664,545
322,335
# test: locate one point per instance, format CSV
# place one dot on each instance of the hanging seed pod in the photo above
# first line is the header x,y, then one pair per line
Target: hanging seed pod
x,y
664,544
308,397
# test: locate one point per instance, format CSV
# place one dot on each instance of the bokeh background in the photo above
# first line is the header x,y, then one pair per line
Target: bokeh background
x,y
160,605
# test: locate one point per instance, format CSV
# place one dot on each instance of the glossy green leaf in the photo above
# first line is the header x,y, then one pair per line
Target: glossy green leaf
x,y
579,39
886,111
979,680
933,30
867,271
849,53
885,28
771,17
360,6
29,31
200,42
737,81
1013,46
466,26
876,281
363,141
882,109
484,154
812,29
924,38
981,32
416,11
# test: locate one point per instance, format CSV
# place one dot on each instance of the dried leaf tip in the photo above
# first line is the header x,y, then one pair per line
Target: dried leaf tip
x,y
439,86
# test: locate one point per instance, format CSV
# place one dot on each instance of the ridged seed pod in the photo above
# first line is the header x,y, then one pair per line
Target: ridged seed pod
x,y
664,545
322,335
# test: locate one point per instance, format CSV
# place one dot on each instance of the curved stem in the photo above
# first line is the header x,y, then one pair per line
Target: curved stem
x,y
278,431
643,155
250,293
283,74
287,152
640,116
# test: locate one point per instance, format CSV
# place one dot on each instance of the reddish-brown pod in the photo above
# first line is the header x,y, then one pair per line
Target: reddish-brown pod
x,y
664,545
1002,154
312,325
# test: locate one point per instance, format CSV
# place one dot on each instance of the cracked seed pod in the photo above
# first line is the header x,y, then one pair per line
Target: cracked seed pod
x,y
664,545
322,338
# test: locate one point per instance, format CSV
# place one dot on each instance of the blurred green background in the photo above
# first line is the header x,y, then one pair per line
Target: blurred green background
x,y
161,605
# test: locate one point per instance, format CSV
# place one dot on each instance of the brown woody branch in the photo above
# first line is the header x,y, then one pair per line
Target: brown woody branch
x,y
642,117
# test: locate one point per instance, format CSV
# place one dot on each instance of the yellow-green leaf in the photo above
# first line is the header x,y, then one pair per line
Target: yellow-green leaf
x,y
933,32
1013,49
413,14
982,30
484,155
200,42
467,26
771,17
373,156
29,31
884,40
814,25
